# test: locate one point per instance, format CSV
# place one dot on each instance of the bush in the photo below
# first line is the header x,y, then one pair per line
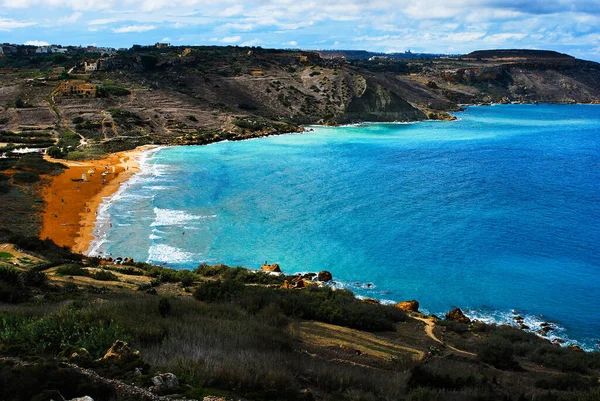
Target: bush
x,y
72,270
26,177
322,304
164,307
497,351
104,275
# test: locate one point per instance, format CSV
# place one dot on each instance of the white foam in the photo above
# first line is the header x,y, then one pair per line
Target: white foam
x,y
102,214
163,253
168,217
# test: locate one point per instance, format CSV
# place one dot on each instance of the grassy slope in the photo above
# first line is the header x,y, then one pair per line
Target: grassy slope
x,y
239,335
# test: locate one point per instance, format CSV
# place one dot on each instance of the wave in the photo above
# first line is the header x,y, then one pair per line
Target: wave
x,y
169,217
162,253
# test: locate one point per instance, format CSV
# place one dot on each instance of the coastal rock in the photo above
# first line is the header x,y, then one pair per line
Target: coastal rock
x,y
408,306
558,341
299,284
324,276
309,276
120,351
371,301
128,261
576,348
164,381
271,268
457,315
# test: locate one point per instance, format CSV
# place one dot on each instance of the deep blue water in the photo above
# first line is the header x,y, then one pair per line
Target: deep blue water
x,y
498,213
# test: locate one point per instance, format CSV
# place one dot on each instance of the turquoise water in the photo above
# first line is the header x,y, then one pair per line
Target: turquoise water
x,y
497,213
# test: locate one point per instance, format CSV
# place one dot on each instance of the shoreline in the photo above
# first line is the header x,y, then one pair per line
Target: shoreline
x,y
69,217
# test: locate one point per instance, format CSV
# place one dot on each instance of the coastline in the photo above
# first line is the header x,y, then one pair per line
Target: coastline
x,y
69,215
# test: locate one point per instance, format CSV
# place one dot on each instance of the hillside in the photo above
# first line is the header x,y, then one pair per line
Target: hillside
x,y
204,94
220,333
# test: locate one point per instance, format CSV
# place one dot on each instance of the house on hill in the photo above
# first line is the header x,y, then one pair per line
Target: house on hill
x,y
81,88
91,66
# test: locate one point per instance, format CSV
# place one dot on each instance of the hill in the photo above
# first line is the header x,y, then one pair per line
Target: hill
x,y
203,94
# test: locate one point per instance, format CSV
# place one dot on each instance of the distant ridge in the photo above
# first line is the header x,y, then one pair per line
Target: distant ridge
x,y
511,53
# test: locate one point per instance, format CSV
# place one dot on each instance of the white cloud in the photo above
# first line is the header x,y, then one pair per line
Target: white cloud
x,y
8,24
231,39
102,21
291,43
36,43
134,28
165,39
70,19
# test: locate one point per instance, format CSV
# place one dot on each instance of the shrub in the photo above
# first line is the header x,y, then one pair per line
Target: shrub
x,y
497,351
26,177
322,304
72,270
78,120
164,307
104,275
192,118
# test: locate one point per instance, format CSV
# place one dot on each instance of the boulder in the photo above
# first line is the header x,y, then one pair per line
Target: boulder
x,y
84,398
575,347
77,355
309,276
120,351
164,381
370,301
457,315
128,261
408,306
271,268
324,276
299,284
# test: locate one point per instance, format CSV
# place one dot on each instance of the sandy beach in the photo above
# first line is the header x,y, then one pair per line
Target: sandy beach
x,y
71,204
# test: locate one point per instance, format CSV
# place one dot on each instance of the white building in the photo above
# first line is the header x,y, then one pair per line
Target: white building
x,y
89,67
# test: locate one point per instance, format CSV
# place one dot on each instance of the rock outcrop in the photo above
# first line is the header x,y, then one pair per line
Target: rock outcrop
x,y
324,276
271,268
457,315
408,306
164,382
120,351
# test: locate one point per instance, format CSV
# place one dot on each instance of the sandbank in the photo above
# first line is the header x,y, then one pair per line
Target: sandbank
x,y
71,204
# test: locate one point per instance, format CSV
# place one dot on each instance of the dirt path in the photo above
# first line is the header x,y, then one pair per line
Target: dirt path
x,y
429,325
323,335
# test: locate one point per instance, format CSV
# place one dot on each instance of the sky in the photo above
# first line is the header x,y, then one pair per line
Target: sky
x,y
423,26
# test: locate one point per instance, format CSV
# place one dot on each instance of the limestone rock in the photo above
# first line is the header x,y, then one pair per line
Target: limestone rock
x,y
457,315
408,306
324,276
165,381
120,351
84,398
371,301
271,268
575,347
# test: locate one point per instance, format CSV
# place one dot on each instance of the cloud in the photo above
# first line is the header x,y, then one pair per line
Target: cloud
x,y
8,24
230,39
291,43
36,43
134,28
70,19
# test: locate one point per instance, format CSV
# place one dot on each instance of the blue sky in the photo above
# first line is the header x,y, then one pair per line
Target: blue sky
x,y
432,26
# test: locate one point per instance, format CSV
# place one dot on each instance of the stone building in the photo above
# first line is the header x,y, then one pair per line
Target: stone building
x,y
81,88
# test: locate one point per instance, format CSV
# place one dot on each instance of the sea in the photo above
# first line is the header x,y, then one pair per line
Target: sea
x,y
497,213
